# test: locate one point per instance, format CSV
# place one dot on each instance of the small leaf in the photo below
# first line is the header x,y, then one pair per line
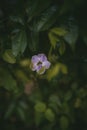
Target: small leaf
x,y
64,122
68,96
9,57
55,99
21,76
64,69
49,115
40,107
55,70
59,31
77,103
62,48
53,39
25,62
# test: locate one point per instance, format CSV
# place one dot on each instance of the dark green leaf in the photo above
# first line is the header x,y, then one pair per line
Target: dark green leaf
x,y
38,118
8,81
19,43
55,99
46,19
34,8
33,41
72,34
64,122
17,19
10,110
21,113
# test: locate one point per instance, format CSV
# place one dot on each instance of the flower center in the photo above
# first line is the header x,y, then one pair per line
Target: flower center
x,y
39,63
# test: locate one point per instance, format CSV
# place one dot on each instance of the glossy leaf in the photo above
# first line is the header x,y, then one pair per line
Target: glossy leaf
x,y
34,10
19,43
46,19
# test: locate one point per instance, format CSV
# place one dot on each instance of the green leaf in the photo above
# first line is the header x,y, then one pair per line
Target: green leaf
x,y
55,99
68,96
19,43
21,113
40,107
49,115
66,108
72,34
34,8
8,81
64,122
17,19
62,48
21,75
66,7
84,34
38,118
45,20
33,41
59,31
23,105
54,71
35,96
9,57
53,39
10,110
48,126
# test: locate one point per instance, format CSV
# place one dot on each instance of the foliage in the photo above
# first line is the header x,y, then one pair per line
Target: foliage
x,y
58,98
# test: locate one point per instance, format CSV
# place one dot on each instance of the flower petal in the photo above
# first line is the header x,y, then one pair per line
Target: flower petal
x,y
42,57
46,64
35,59
41,70
33,66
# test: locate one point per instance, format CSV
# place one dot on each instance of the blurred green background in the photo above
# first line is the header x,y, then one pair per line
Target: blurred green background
x,y
56,100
